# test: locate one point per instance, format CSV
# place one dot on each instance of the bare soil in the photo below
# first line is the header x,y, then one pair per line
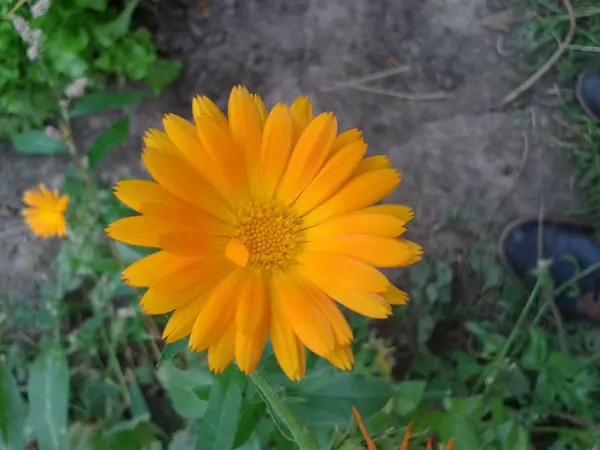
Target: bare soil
x,y
469,167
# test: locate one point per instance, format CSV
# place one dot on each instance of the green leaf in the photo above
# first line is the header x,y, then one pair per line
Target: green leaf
x,y
162,73
48,391
11,410
172,349
218,428
251,415
138,402
36,142
107,33
408,396
536,352
104,101
112,137
449,425
326,396
513,436
181,385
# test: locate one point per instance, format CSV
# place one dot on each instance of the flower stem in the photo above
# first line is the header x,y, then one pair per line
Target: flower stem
x,y
278,405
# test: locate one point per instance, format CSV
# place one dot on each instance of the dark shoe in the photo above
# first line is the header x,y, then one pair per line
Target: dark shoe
x,y
570,247
588,91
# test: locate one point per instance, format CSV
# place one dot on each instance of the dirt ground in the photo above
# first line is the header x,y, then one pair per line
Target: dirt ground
x,y
469,166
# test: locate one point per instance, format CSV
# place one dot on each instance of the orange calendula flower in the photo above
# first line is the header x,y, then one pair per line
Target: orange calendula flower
x,y
405,440
46,213
263,220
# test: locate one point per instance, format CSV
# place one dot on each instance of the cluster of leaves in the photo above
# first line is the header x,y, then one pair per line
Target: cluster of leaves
x,y
90,39
495,387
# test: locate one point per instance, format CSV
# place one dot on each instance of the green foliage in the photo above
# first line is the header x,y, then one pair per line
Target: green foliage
x,y
82,39
582,134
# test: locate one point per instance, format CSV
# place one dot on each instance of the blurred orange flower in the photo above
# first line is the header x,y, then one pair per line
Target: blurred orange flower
x,y
46,213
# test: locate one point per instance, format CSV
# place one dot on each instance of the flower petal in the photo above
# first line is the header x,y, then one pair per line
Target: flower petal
x,y
204,106
276,148
160,141
182,320
221,354
346,138
358,193
342,357
350,272
183,181
246,124
307,320
331,177
395,296
373,250
308,157
401,212
302,113
137,230
373,163
290,353
191,243
147,270
217,314
365,303
253,302
359,222
249,346
133,193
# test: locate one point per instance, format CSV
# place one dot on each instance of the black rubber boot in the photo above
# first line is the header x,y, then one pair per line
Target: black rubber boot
x,y
588,91
570,247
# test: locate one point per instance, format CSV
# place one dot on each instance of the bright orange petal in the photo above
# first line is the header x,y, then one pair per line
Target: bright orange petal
x,y
249,346
160,141
182,320
260,106
221,354
341,357
373,163
133,193
203,106
253,302
183,181
373,250
346,138
307,320
358,193
276,149
359,222
352,273
246,127
331,177
308,157
137,230
217,315
147,270
302,113
288,350
365,303
401,212
395,296
189,243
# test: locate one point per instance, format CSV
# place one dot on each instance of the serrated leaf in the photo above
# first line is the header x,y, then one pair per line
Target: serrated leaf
x,y
112,137
36,142
48,391
11,410
218,428
103,101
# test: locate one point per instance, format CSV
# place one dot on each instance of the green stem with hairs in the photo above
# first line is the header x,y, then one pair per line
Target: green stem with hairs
x,y
278,405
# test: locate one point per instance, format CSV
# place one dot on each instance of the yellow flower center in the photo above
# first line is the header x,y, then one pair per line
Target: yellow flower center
x,y
270,233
